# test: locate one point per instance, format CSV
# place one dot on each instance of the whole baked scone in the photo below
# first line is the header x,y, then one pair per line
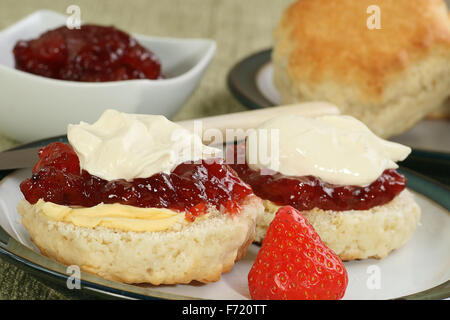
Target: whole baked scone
x,y
131,199
338,174
389,78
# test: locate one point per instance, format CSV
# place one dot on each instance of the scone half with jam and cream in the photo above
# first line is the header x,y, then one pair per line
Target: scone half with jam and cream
x,y
340,175
138,199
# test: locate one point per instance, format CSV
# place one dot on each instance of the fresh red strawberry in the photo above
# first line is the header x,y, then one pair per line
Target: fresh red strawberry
x,y
294,264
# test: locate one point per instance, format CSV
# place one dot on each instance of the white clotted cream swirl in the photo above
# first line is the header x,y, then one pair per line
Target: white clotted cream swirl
x,y
337,149
129,146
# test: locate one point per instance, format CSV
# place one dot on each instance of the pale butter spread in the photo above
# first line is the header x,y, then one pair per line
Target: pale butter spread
x,y
114,216
337,149
129,146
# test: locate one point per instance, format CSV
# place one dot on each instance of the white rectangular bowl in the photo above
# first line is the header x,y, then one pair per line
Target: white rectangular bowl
x,y
34,107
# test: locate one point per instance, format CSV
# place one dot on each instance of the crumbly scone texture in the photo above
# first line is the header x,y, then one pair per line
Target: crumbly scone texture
x,y
358,234
389,78
201,250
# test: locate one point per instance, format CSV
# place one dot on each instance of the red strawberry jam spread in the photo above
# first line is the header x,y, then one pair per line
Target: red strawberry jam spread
x,y
308,192
92,54
190,187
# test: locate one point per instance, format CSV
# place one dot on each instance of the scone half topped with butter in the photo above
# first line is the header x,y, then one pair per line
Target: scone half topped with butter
x,y
338,174
385,62
138,199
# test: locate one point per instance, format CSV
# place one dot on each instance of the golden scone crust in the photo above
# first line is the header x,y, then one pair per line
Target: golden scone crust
x,y
358,234
200,251
388,78
443,112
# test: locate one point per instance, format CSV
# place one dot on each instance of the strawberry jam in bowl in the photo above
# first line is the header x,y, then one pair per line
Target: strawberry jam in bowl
x,y
68,76
91,53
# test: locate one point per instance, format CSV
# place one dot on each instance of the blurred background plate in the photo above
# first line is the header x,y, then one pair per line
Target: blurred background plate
x,y
250,81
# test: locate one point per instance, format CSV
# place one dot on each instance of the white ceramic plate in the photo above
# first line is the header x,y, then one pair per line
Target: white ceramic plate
x,y
34,107
423,263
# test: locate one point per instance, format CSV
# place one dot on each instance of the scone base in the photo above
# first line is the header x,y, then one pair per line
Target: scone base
x,y
200,251
355,234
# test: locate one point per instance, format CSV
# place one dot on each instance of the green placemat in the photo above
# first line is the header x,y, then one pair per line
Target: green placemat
x,y
239,27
